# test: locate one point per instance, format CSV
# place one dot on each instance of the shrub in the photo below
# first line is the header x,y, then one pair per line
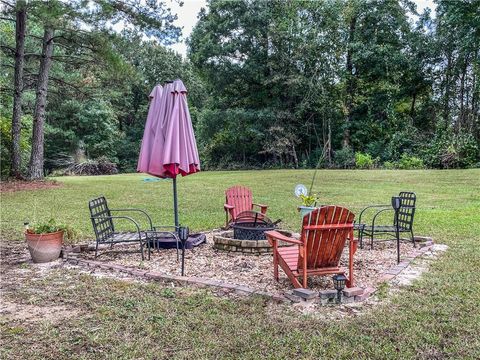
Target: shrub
x,y
363,161
99,166
410,162
390,165
344,158
448,150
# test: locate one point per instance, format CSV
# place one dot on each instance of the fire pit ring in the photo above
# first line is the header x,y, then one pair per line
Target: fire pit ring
x,y
251,225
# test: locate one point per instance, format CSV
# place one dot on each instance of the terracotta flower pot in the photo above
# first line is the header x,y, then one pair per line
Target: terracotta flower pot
x,y
44,247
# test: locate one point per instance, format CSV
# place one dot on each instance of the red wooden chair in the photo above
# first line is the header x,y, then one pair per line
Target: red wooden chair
x,y
237,200
324,233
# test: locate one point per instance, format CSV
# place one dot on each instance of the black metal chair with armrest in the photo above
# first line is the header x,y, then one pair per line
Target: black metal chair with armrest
x,y
104,227
402,222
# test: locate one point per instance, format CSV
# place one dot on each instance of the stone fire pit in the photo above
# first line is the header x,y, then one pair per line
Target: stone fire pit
x,y
225,241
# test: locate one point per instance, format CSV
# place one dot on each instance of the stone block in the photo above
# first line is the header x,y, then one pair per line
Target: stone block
x,y
306,294
348,300
136,272
244,290
154,275
293,298
385,277
328,294
263,294
350,292
119,267
394,271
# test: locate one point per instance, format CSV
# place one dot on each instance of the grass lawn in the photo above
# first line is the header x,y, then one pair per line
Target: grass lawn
x,y
438,317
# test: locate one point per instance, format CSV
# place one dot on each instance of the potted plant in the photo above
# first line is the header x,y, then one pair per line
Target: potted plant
x,y
308,204
45,240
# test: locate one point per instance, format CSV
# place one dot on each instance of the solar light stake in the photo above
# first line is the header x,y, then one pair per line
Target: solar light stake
x,y
339,281
183,232
396,203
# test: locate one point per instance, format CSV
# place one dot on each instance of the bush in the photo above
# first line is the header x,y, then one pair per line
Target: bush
x,y
363,161
99,166
389,165
448,150
410,162
344,158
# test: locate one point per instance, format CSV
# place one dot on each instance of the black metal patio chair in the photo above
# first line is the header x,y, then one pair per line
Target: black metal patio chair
x,y
104,227
402,221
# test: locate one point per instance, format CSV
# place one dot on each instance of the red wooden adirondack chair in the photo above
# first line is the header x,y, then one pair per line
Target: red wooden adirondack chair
x,y
324,233
238,199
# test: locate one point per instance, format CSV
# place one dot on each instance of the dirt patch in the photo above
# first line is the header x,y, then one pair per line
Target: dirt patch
x,y
10,311
19,273
13,186
254,271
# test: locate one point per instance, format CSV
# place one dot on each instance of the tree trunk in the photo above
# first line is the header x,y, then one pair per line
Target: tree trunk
x,y
412,107
20,28
446,109
350,83
35,170
461,116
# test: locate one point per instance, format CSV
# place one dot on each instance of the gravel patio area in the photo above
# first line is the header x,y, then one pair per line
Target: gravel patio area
x,y
254,271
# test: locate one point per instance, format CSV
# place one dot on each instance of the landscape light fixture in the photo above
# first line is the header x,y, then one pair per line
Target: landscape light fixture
x,y
339,281
183,232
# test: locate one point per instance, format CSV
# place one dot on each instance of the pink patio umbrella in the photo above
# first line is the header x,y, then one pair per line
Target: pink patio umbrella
x,y
168,146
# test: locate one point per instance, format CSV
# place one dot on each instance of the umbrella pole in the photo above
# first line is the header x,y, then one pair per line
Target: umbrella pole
x,y
175,202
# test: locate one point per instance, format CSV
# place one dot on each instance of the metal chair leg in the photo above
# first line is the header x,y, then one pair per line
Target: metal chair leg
x,y
176,238
413,238
148,248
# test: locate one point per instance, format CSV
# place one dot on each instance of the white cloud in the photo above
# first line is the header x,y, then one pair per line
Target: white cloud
x,y
187,18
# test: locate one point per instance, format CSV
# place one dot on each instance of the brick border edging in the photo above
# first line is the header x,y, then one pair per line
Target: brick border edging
x,y
355,294
181,280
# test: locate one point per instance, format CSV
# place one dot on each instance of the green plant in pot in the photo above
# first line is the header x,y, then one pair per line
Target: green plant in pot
x,y
45,240
308,204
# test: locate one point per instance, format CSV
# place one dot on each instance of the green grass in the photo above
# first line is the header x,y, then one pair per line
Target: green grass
x,y
438,317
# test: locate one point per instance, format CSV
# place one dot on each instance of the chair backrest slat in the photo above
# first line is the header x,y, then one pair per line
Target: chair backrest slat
x,y
406,212
240,197
99,214
324,245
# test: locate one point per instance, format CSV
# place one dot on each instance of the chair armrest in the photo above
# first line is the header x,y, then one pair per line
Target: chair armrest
x,y
174,233
138,210
120,217
263,208
228,207
378,213
275,235
369,207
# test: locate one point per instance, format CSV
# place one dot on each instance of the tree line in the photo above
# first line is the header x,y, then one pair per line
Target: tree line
x,y
275,83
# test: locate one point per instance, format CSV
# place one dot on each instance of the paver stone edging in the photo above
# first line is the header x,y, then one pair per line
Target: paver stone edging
x,y
353,294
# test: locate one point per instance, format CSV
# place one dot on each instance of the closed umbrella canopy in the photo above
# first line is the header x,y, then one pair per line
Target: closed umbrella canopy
x,y
174,149
168,145
150,127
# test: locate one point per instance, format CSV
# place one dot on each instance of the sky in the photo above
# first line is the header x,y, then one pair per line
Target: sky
x,y
187,18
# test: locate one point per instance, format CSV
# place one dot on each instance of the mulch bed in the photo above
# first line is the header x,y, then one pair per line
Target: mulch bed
x,y
254,271
20,185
